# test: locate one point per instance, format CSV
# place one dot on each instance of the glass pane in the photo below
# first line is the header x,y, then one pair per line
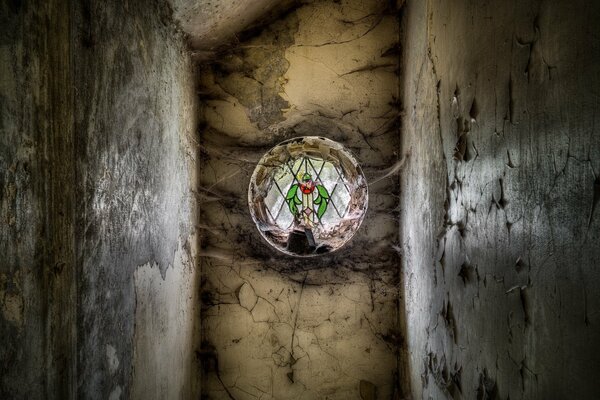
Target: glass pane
x,y
308,198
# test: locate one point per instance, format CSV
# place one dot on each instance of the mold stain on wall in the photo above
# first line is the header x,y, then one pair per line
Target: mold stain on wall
x,y
274,326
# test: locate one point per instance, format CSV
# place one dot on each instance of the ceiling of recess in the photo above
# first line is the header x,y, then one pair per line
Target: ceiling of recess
x,y
212,23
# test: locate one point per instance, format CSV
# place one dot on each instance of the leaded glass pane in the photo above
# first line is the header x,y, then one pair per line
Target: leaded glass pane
x,y
301,199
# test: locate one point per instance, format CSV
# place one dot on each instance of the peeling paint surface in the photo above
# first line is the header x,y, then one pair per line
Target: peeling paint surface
x,y
498,223
165,338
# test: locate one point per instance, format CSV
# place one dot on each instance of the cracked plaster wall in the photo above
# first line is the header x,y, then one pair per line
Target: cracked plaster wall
x,y
499,223
274,326
98,285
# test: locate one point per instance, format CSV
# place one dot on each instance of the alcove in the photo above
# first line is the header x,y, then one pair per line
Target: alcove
x,y
289,327
131,266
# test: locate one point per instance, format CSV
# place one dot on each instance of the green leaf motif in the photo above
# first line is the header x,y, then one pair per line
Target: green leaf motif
x,y
322,200
292,200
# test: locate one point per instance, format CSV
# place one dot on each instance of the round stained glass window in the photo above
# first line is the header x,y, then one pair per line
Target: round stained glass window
x,y
308,196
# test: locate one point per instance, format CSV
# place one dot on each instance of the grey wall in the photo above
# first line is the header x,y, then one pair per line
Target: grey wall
x,y
279,327
98,287
134,133
499,223
36,203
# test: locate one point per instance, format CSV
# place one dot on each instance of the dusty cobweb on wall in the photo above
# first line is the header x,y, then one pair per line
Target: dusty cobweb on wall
x,y
308,196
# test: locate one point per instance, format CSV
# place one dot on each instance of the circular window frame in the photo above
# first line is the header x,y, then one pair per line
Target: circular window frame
x,y
296,240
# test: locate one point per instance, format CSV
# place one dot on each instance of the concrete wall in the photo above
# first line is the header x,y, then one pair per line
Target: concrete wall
x,y
36,203
98,282
274,326
137,292
499,222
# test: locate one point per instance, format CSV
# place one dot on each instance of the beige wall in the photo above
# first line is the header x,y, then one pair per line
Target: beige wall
x,y
276,327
